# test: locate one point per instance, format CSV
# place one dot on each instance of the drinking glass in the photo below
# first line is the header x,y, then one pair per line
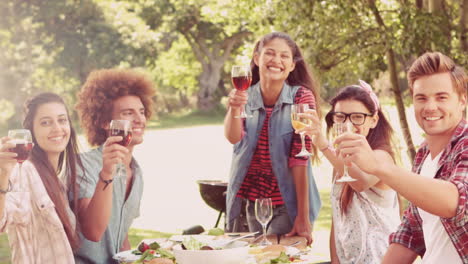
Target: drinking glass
x,y
121,128
241,77
263,213
340,128
23,146
298,123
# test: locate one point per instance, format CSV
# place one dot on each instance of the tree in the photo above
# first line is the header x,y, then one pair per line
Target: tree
x,y
212,35
345,41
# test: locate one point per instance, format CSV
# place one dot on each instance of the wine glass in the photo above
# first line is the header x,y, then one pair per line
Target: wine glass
x,y
298,123
263,213
241,77
341,128
23,145
121,128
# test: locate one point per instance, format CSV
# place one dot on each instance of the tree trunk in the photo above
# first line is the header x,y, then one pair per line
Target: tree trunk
x,y
399,103
394,80
464,26
437,7
209,80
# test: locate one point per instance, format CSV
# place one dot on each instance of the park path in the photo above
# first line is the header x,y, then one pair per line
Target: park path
x,y
172,161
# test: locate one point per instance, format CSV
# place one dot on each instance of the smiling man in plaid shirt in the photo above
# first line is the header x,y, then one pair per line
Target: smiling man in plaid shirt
x,y
435,224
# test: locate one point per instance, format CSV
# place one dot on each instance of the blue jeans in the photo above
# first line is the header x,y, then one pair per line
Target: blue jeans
x,y
280,223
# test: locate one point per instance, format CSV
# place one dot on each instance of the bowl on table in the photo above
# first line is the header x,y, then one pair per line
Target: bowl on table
x,y
235,253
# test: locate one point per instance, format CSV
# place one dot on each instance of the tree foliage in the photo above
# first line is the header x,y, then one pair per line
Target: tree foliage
x,y
189,45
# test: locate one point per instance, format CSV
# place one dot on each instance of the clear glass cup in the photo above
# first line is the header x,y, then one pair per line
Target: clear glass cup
x,y
298,123
338,129
23,145
264,213
241,77
121,128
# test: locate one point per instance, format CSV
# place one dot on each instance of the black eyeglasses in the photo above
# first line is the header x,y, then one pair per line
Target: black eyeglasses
x,y
356,118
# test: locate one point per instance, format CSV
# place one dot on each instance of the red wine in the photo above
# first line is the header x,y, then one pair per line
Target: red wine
x,y
126,135
22,149
242,83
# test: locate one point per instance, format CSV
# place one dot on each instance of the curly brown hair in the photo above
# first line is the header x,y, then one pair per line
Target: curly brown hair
x,y
102,87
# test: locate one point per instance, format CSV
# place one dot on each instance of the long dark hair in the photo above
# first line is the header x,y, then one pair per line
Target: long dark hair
x,y
301,75
379,137
68,160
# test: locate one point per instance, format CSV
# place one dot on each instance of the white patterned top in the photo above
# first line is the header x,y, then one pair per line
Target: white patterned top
x,y
35,232
361,236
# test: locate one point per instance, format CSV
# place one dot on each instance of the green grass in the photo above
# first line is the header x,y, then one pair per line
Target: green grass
x,y
323,221
136,235
4,249
188,119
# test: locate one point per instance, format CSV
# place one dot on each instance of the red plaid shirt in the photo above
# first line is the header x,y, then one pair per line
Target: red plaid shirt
x,y
453,167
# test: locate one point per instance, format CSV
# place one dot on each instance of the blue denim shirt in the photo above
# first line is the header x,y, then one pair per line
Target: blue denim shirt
x,y
122,214
280,134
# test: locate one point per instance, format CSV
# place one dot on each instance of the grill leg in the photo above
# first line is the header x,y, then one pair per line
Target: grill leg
x,y
219,218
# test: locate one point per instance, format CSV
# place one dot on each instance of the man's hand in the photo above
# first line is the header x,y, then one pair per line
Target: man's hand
x,y
355,148
112,154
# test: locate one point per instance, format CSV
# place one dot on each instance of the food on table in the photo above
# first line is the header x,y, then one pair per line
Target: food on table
x,y
216,231
272,254
160,261
274,250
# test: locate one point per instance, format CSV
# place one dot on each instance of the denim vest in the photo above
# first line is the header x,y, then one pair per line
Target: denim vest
x,y
280,134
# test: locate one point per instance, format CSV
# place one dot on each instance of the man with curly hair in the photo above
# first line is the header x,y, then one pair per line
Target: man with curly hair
x,y
108,204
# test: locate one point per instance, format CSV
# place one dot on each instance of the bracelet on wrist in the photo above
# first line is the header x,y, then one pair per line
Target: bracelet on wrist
x,y
327,147
9,188
106,182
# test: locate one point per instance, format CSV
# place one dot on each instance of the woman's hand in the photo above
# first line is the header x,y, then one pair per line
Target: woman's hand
x,y
303,228
314,129
237,99
7,159
112,154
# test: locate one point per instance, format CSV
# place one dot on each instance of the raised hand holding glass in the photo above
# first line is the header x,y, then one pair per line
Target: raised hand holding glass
x,y
298,123
338,129
23,145
241,77
121,128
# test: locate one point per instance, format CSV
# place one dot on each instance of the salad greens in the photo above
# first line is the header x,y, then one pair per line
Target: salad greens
x,y
193,244
281,259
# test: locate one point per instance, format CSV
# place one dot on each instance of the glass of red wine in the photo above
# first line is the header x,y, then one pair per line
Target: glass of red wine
x,y
241,78
23,145
121,128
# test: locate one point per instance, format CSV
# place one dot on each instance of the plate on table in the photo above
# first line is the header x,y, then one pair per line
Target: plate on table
x,y
129,256
262,254
181,238
126,256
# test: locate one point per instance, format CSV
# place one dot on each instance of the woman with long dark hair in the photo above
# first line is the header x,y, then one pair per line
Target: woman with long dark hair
x,y
264,164
39,220
364,211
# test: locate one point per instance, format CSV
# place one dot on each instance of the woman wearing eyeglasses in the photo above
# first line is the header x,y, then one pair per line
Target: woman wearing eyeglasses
x,y
364,211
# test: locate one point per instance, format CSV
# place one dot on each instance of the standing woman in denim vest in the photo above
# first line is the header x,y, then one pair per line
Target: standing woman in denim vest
x,y
264,163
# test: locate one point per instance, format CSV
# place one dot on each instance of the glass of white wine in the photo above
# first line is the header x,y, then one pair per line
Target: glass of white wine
x,y
299,123
338,129
264,213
